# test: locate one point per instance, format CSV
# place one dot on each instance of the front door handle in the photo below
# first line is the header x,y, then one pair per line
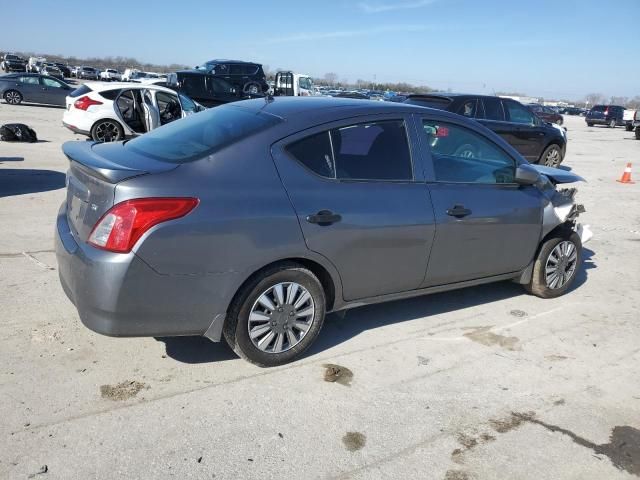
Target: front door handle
x,y
458,211
324,217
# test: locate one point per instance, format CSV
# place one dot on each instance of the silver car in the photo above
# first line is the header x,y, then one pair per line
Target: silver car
x,y
254,219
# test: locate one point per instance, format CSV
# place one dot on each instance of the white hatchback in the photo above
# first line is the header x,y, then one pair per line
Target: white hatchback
x,y
108,112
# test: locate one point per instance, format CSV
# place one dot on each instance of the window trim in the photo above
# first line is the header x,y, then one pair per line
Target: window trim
x,y
423,140
404,117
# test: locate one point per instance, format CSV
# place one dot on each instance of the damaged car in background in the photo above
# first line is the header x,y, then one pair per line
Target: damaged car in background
x,y
248,221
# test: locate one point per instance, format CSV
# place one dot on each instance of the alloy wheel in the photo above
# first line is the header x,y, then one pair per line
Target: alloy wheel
x,y
561,265
552,159
281,317
13,98
107,132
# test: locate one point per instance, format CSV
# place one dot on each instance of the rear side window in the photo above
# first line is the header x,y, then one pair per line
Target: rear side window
x,y
599,108
493,109
468,108
461,155
365,151
315,153
110,94
201,134
30,80
81,90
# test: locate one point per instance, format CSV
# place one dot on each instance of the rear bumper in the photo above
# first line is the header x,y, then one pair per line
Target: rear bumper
x,y
75,129
120,295
599,121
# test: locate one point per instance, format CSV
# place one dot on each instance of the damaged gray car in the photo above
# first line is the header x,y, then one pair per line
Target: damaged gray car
x,y
252,220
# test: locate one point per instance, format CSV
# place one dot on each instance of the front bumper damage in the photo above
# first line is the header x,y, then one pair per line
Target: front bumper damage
x,y
562,209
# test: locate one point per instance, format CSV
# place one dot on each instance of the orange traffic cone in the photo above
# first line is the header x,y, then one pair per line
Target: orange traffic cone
x,y
626,176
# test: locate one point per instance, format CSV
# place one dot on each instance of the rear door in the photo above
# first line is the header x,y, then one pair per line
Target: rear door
x,y
360,202
485,223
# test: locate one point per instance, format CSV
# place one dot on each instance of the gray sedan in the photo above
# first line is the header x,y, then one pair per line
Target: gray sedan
x,y
253,219
16,88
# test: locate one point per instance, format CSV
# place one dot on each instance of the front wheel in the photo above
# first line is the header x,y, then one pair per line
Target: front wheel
x,y
556,266
13,97
551,157
252,88
276,316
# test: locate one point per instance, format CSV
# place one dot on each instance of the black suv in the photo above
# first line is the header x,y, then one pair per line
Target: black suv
x,y
247,77
536,140
13,63
610,115
206,89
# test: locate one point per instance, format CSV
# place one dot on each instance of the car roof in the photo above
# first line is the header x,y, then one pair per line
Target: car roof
x,y
103,86
232,61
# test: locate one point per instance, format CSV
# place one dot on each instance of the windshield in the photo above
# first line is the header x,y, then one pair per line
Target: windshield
x,y
306,83
201,134
12,57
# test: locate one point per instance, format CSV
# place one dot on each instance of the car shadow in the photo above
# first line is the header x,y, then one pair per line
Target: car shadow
x,y
343,326
196,349
22,181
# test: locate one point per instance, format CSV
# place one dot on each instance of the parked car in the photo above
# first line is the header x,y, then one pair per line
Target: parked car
x,y
51,70
628,117
66,71
35,64
110,75
546,113
88,73
291,84
108,112
16,88
246,77
206,89
610,115
13,63
247,220
535,139
574,111
75,71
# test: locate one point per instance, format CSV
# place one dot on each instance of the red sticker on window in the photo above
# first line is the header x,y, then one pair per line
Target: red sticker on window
x,y
442,132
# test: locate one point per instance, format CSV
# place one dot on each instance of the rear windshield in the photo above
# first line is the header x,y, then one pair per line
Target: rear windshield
x,y
440,103
200,134
81,90
599,108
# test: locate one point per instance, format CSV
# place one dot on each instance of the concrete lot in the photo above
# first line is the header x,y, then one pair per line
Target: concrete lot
x,y
483,383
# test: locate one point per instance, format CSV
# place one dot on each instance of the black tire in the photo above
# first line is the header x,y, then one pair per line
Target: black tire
x,y
551,156
13,97
637,133
236,328
612,123
538,285
628,128
107,130
252,88
589,124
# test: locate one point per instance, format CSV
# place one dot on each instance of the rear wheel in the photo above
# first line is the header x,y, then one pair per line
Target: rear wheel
x,y
589,124
556,266
13,97
551,157
251,88
628,127
276,316
107,131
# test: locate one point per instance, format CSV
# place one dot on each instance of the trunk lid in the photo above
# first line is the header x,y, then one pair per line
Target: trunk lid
x,y
94,173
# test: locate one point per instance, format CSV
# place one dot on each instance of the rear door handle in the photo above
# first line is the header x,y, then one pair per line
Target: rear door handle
x,y
324,217
458,211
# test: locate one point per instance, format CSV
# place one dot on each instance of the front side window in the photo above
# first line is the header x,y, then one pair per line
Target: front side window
x,y
306,83
517,113
168,106
188,105
493,109
365,151
50,82
461,155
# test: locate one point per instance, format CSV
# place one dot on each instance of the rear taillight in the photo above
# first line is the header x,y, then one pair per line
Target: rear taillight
x,y
122,226
606,112
85,102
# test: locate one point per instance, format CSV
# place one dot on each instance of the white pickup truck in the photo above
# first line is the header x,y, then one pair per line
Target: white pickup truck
x,y
628,117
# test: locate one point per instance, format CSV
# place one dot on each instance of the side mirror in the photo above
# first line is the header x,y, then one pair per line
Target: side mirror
x,y
526,175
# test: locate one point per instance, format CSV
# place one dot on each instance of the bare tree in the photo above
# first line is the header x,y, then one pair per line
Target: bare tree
x,y
331,78
594,98
634,102
619,100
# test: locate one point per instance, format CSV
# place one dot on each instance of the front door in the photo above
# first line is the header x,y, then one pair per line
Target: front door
x,y
360,202
30,88
486,224
527,133
54,92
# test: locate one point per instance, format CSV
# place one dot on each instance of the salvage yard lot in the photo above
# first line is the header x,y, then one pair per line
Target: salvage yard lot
x,y
482,383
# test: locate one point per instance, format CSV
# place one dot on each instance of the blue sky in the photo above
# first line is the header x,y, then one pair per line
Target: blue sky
x,y
549,48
